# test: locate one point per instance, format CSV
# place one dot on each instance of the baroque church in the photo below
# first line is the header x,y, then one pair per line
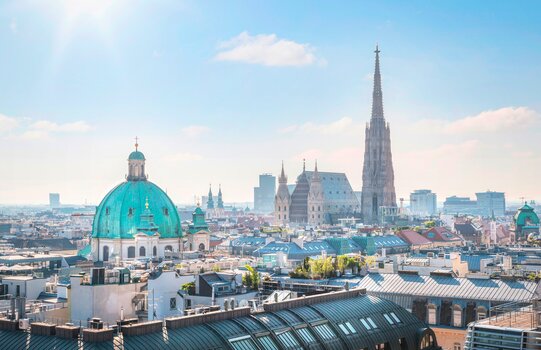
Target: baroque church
x,y
136,219
378,193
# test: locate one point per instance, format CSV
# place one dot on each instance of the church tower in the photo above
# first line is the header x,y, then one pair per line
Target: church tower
x,y
282,200
298,210
378,175
316,200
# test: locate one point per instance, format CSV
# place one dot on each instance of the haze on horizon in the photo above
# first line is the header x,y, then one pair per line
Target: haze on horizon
x,y
220,92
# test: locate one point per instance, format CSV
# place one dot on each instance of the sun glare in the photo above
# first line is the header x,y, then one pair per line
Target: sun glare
x,y
96,9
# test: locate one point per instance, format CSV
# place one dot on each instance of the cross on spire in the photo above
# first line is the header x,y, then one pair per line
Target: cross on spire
x,y
136,143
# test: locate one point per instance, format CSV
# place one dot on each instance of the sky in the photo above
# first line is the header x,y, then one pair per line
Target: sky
x,y
220,91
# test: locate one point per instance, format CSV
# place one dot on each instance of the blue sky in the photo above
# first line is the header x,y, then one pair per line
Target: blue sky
x,y
219,92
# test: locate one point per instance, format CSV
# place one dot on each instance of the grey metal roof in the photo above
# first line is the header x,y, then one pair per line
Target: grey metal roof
x,y
449,287
319,325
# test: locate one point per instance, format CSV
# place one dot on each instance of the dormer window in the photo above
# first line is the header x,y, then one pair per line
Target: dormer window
x,y
107,211
130,212
165,211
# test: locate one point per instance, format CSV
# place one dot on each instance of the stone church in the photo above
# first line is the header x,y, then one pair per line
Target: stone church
x,y
378,191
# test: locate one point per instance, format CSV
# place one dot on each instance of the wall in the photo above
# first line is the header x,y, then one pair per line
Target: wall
x,y
103,301
448,337
161,290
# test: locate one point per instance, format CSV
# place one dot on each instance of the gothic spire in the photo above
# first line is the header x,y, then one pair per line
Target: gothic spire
x,y
316,174
283,177
377,95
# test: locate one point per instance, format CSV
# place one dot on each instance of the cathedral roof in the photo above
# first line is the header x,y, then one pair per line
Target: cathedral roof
x,y
136,206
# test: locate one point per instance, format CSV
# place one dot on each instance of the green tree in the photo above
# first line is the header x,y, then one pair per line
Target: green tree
x,y
254,277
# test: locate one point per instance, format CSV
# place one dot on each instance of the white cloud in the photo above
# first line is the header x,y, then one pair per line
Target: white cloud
x,y
267,50
193,131
340,126
7,123
503,119
47,126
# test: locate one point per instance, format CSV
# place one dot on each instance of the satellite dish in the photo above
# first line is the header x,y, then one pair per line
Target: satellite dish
x,y
243,303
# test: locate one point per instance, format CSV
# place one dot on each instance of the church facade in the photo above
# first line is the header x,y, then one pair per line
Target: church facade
x,y
378,192
318,198
136,219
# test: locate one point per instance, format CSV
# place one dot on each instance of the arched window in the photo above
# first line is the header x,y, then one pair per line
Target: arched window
x,y
457,315
105,253
278,208
131,252
130,212
481,312
431,314
278,216
201,247
168,248
154,251
285,208
142,251
285,217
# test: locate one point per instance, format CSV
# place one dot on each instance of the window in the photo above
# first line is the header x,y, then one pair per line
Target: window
x,y
371,323
365,324
457,316
172,303
242,343
285,217
481,312
288,340
325,331
278,216
130,212
278,208
142,251
154,251
347,328
306,335
131,252
107,211
432,314
267,343
456,346
397,320
165,211
168,248
389,319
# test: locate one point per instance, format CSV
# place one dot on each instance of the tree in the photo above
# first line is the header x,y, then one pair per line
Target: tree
x,y
254,277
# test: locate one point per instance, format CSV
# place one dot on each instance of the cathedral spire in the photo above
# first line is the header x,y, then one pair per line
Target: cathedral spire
x,y
316,174
377,95
283,177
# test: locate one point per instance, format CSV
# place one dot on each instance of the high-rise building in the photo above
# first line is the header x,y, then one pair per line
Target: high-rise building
x,y
264,194
491,203
459,205
378,175
423,203
54,200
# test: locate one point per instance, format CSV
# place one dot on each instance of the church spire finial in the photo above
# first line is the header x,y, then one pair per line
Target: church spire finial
x,y
303,165
316,167
377,95
136,143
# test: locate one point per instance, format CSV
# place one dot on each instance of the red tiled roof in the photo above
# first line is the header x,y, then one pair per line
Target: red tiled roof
x,y
413,237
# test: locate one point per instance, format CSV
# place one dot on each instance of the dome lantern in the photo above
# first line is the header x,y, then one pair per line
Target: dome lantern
x,y
136,165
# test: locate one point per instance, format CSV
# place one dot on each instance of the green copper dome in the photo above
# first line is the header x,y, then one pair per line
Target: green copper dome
x,y
136,207
526,216
136,155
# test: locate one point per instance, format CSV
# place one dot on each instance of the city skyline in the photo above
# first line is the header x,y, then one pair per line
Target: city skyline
x,y
82,81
